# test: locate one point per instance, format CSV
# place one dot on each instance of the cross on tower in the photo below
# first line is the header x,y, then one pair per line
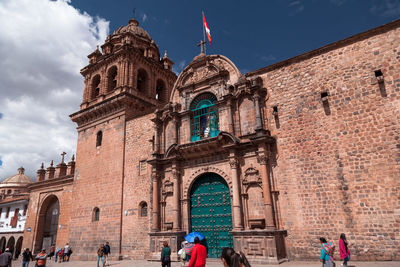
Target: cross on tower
x,y
63,154
133,11
201,44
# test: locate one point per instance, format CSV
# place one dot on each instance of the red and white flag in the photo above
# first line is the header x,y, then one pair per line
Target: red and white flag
x,y
206,28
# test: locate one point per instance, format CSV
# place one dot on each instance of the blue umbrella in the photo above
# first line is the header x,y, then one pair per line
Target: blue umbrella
x,y
190,237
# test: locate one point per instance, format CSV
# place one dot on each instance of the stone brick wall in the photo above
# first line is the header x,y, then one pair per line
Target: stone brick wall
x,y
137,188
337,163
247,117
98,183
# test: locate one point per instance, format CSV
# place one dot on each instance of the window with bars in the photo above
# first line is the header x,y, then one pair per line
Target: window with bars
x,y
204,118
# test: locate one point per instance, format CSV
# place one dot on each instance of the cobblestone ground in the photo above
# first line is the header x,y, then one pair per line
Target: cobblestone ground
x,y
210,263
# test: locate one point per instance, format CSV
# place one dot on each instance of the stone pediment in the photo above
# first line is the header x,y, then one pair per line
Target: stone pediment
x,y
203,73
194,76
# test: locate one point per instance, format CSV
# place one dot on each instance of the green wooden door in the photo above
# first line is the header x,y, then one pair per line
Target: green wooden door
x,y
211,212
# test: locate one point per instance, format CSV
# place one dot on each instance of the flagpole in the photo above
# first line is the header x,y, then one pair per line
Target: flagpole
x,y
204,34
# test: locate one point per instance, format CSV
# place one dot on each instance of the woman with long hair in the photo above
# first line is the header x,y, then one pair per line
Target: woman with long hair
x,y
344,249
232,259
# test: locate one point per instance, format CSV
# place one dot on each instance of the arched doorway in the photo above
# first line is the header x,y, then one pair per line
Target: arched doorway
x,y
3,244
18,247
46,234
211,212
11,244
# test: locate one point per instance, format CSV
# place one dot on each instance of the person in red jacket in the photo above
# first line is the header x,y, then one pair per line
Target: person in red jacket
x,y
199,254
344,250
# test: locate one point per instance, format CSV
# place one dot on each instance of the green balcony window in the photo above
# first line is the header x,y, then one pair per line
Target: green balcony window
x,y
204,119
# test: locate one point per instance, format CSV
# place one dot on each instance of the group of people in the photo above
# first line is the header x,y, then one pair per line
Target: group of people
x,y
196,254
102,254
328,249
61,254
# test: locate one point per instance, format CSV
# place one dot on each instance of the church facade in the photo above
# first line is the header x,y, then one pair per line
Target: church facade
x,y
265,162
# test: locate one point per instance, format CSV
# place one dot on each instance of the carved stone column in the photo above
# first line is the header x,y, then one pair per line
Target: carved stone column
x,y
230,118
237,209
103,82
176,226
175,129
156,211
256,99
263,159
120,73
157,128
185,215
131,74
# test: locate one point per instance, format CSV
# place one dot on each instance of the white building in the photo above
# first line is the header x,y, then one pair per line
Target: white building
x,y
14,199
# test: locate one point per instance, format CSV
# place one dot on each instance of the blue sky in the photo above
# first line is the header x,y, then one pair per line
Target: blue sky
x,y
252,34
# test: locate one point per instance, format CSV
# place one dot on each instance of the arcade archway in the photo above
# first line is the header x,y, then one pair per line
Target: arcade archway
x,y
11,244
3,244
46,234
18,247
211,212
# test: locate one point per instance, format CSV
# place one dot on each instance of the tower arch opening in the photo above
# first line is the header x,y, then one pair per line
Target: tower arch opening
x,y
142,81
160,91
95,90
112,78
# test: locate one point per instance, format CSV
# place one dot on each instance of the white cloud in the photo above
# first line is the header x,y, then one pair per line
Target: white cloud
x,y
297,7
386,8
178,68
42,46
144,17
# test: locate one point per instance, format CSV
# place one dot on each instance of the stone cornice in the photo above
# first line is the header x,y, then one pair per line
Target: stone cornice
x,y
66,180
122,102
7,201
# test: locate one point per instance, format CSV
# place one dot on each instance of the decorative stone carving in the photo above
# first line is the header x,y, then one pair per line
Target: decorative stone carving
x,y
168,188
263,157
175,174
233,162
155,176
251,177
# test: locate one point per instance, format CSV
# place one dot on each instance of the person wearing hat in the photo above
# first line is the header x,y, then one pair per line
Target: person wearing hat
x,y
5,258
41,258
26,257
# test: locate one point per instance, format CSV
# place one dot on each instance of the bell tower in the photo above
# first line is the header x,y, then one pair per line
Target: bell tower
x,y
125,81
128,65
